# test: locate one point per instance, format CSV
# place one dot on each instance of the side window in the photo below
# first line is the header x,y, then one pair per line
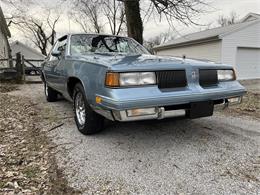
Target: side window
x,y
54,49
60,45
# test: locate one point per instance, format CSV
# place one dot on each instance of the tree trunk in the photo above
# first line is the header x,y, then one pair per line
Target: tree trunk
x,y
134,20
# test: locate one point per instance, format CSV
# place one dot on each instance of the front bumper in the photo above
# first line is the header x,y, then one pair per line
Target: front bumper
x,y
162,112
114,105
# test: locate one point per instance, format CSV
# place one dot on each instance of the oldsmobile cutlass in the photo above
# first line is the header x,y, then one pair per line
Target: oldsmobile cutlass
x,y
116,78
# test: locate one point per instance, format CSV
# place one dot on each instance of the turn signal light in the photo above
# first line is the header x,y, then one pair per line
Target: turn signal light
x,y
112,79
98,99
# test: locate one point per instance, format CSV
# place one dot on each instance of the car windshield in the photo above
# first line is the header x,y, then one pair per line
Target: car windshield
x,y
85,44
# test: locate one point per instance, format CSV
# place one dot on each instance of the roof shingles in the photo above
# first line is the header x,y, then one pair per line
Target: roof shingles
x,y
210,34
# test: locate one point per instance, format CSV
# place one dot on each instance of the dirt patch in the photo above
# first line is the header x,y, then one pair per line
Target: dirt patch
x,y
27,162
250,106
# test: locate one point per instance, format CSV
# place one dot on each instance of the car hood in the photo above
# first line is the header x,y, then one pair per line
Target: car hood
x,y
147,62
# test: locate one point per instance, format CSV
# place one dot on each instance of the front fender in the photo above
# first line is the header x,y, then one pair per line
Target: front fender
x,y
92,77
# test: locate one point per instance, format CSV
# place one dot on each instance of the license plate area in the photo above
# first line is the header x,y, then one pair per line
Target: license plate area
x,y
201,109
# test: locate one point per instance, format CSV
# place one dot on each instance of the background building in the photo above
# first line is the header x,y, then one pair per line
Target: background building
x,y
4,45
27,52
238,45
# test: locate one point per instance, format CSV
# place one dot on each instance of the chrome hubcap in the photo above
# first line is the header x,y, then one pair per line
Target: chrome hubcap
x,y
80,108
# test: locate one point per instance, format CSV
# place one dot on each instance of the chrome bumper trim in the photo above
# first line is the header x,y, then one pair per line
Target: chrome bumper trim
x,y
219,107
161,114
226,104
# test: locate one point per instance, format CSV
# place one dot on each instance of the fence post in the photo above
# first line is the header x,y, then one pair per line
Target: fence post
x,y
19,67
23,69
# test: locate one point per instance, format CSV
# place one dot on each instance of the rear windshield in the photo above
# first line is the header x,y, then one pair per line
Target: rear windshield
x,y
84,44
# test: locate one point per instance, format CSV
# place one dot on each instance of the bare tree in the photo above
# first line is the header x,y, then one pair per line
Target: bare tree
x,y
41,33
228,20
159,39
115,15
96,15
134,21
41,30
173,10
87,14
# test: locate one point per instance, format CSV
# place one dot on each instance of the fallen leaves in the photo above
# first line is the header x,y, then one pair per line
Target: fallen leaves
x,y
4,88
250,106
27,164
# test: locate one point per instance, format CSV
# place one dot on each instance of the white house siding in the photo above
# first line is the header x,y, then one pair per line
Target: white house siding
x,y
210,51
3,50
248,37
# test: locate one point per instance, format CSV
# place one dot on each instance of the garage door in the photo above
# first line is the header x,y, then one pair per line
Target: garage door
x,y
248,63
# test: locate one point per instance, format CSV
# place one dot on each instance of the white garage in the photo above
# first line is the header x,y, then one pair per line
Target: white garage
x,y
237,45
248,63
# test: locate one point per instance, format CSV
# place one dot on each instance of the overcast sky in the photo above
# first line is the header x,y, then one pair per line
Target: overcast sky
x,y
218,7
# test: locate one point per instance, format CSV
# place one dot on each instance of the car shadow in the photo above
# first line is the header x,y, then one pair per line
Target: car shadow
x,y
166,133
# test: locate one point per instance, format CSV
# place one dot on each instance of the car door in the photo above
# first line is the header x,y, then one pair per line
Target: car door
x,y
49,68
56,65
59,63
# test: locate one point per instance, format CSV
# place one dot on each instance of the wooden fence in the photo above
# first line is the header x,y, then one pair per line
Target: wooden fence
x,y
17,68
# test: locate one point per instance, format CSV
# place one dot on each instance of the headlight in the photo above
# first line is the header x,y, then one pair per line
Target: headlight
x,y
130,79
137,78
226,75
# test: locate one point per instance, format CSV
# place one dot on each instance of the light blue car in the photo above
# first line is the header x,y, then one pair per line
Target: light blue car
x,y
116,78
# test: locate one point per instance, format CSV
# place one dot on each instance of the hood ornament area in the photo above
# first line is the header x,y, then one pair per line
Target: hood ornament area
x,y
193,75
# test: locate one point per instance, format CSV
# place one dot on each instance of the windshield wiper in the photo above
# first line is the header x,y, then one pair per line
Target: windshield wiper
x,y
116,54
103,53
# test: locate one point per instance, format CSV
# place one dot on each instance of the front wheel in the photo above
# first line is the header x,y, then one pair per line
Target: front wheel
x,y
88,121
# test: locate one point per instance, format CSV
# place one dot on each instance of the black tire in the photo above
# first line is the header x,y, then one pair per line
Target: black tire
x,y
50,94
93,122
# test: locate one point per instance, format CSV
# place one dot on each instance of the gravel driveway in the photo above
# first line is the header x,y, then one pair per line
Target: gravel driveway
x,y
214,155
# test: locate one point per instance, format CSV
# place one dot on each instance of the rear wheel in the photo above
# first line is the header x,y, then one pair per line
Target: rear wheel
x,y
87,120
50,94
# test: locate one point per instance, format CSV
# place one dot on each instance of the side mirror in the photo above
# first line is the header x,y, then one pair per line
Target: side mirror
x,y
56,53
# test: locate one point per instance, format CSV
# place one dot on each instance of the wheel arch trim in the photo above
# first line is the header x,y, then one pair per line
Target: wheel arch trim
x,y
70,93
